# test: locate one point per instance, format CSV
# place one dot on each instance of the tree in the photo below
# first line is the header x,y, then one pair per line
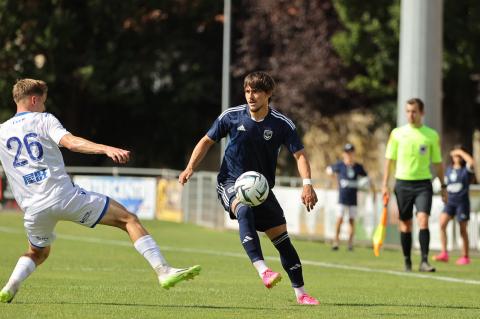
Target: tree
x,y
291,40
318,62
461,71
334,56
136,74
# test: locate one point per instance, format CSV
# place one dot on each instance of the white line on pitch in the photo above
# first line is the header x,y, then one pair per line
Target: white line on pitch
x,y
124,243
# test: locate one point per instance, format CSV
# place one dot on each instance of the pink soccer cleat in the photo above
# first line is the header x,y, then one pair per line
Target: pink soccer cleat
x,y
271,278
463,260
443,256
306,299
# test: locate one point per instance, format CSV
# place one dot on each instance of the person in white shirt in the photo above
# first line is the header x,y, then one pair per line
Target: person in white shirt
x,y
33,163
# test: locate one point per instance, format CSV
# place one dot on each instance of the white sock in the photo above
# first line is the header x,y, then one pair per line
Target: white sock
x,y
148,248
25,266
299,291
260,266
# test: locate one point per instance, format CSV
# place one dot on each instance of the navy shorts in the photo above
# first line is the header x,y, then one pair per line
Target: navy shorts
x,y
460,210
409,193
269,214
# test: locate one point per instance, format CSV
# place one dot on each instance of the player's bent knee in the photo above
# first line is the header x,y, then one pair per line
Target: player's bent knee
x,y
118,216
132,219
37,254
234,205
276,231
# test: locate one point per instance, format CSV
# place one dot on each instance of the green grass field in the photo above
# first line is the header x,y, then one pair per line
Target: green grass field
x,y
98,274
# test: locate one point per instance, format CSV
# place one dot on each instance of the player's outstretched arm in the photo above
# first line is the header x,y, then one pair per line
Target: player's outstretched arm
x,y
81,145
309,197
198,154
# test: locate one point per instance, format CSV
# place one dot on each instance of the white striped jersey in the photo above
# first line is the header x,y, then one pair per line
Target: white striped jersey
x,y
32,160
253,146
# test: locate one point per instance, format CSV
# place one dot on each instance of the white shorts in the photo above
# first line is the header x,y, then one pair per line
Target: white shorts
x,y
342,210
84,208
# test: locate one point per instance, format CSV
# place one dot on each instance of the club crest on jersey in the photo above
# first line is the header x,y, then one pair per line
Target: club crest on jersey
x,y
350,172
267,134
423,149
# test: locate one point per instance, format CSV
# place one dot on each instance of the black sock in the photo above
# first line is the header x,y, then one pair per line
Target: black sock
x,y
406,241
248,233
424,238
289,258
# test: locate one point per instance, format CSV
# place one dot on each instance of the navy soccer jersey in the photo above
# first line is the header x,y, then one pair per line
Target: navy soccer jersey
x,y
347,181
253,146
458,184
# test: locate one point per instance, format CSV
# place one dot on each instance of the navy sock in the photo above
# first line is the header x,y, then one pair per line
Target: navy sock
x,y
289,258
424,239
406,241
248,234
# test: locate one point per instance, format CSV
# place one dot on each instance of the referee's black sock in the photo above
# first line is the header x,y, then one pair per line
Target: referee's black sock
x,y
424,238
289,258
406,241
248,233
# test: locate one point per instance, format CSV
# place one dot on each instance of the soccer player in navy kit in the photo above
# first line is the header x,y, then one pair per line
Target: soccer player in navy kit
x,y
457,178
257,131
348,173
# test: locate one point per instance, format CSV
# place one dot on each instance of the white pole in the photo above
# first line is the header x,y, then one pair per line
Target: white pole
x,y
227,19
420,67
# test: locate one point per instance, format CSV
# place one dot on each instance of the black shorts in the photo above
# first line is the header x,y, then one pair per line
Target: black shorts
x,y
409,193
267,215
460,210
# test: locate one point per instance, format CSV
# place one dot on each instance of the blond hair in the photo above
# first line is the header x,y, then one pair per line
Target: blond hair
x,y
27,87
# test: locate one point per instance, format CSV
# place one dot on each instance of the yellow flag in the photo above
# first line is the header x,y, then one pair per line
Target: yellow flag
x,y
381,231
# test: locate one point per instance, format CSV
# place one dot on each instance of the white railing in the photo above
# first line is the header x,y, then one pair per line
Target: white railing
x,y
200,205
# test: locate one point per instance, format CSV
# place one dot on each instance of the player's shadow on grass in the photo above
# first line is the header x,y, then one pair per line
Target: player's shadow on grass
x,y
402,305
152,305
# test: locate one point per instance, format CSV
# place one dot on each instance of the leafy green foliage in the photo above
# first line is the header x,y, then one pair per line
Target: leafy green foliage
x,y
137,74
461,70
368,43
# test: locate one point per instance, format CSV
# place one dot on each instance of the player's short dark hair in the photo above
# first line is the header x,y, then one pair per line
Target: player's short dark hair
x,y
418,102
27,87
260,81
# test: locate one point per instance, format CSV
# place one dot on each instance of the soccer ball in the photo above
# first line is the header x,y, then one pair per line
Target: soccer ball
x,y
251,188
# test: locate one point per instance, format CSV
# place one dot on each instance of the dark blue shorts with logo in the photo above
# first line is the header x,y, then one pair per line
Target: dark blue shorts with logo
x,y
461,210
269,214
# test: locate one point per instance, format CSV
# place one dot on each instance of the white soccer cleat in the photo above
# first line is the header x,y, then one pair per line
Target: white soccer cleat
x,y
172,276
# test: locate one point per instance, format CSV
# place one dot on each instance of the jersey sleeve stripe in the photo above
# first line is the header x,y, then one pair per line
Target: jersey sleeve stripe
x,y
232,109
283,118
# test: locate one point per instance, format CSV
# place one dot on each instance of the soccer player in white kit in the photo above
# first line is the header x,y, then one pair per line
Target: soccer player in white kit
x,y
33,163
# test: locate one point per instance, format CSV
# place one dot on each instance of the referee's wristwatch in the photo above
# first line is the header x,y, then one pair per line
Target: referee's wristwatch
x,y
443,186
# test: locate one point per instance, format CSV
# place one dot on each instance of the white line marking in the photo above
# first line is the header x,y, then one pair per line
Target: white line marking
x,y
114,242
